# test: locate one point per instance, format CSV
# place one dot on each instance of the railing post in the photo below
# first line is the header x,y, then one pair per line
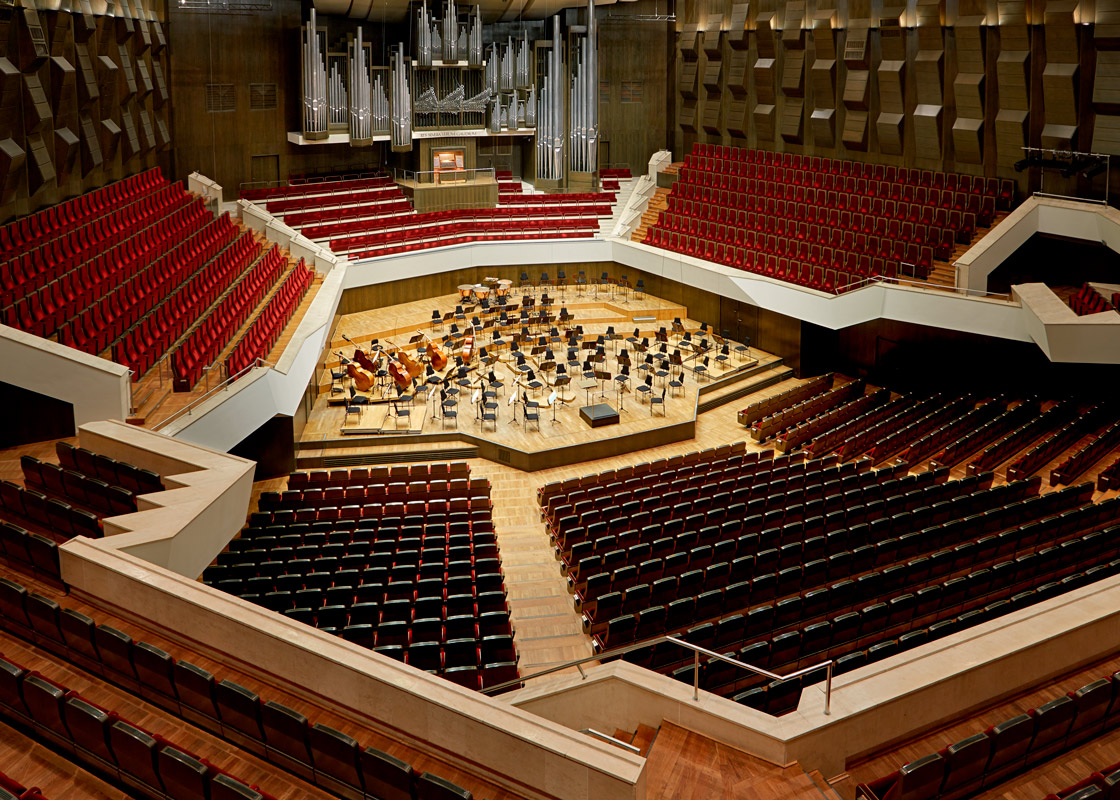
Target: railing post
x,y
828,689
695,674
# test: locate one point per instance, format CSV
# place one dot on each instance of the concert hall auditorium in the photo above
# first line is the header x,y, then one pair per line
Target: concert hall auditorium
x,y
559,400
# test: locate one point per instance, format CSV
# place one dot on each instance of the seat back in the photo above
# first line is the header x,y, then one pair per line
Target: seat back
x,y
965,762
89,726
919,779
135,753
286,732
239,708
335,758
195,688
44,702
432,787
386,777
223,787
184,777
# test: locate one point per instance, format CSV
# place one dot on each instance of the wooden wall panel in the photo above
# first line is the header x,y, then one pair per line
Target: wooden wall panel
x,y
1106,78
823,72
929,79
968,90
1013,76
63,74
1060,77
856,95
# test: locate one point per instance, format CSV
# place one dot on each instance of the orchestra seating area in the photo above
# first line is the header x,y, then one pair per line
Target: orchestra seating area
x,y
820,222
364,218
784,561
124,271
150,765
403,560
1088,300
985,759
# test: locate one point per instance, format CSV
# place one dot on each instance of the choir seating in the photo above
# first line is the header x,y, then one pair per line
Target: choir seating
x,y
258,341
819,222
1089,301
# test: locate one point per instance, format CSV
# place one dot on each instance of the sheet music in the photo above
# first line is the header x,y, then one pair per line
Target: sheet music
x,y
552,398
477,394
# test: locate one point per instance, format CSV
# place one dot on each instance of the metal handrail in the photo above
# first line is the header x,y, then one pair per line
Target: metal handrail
x,y
696,649
606,737
884,279
189,408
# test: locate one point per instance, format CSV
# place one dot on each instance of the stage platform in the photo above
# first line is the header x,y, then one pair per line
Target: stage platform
x,y
558,436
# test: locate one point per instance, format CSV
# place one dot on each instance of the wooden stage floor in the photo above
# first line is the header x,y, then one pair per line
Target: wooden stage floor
x,y
642,423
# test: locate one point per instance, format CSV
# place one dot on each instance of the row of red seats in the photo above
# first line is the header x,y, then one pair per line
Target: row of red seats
x,y
95,281
343,197
367,211
31,231
559,199
145,343
468,231
759,228
820,202
1003,191
813,276
266,328
64,293
37,267
207,340
447,224
560,231
728,175
316,187
621,173
122,308
1089,301
896,257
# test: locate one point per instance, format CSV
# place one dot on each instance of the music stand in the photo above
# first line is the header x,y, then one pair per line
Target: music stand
x,y
588,384
552,400
513,402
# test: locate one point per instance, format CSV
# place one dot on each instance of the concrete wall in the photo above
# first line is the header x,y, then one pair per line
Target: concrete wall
x,y
98,389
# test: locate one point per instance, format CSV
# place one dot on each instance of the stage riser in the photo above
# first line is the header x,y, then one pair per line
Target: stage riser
x,y
750,388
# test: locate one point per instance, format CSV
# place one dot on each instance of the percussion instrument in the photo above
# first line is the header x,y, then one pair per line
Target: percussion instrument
x,y
503,287
465,291
481,291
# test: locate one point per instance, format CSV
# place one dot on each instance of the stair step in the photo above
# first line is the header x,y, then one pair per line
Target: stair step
x,y
643,739
623,736
823,785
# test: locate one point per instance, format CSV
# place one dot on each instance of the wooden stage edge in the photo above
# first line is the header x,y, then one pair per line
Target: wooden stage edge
x,y
531,461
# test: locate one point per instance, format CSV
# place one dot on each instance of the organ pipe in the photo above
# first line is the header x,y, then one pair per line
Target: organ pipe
x,y
550,113
401,103
474,39
336,93
315,107
423,36
450,33
584,101
361,93
379,109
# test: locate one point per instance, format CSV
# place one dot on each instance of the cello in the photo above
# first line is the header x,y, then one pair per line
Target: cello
x,y
364,361
468,348
414,368
435,357
399,373
363,380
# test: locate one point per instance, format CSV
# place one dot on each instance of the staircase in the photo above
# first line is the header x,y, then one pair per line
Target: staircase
x,y
658,203
622,199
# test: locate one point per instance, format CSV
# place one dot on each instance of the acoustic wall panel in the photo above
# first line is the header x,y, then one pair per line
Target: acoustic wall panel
x,y
711,114
712,36
110,139
737,34
766,77
738,76
1013,76
62,82
738,118
929,82
822,117
12,158
1106,78
36,107
856,94
1060,80
40,168
65,152
968,89
90,148
793,121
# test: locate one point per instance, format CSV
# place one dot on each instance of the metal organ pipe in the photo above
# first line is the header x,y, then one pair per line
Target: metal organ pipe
x,y
361,94
550,113
315,106
401,131
474,39
379,110
583,154
450,32
423,36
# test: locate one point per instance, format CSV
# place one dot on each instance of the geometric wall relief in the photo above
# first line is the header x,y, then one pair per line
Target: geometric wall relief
x,y
892,74
1106,78
11,90
110,138
929,79
968,89
738,76
90,148
159,85
1060,76
711,114
738,118
793,73
130,142
62,82
857,85
65,152
687,84
87,80
12,158
713,72
1012,73
40,168
128,83
765,76
33,49
36,107
737,35
823,80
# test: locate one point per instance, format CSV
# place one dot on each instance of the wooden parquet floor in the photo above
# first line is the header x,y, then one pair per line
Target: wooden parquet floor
x,y
25,760
684,765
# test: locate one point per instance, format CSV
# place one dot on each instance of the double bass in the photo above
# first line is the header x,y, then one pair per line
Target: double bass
x,y
398,372
435,356
364,361
363,380
413,368
468,348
